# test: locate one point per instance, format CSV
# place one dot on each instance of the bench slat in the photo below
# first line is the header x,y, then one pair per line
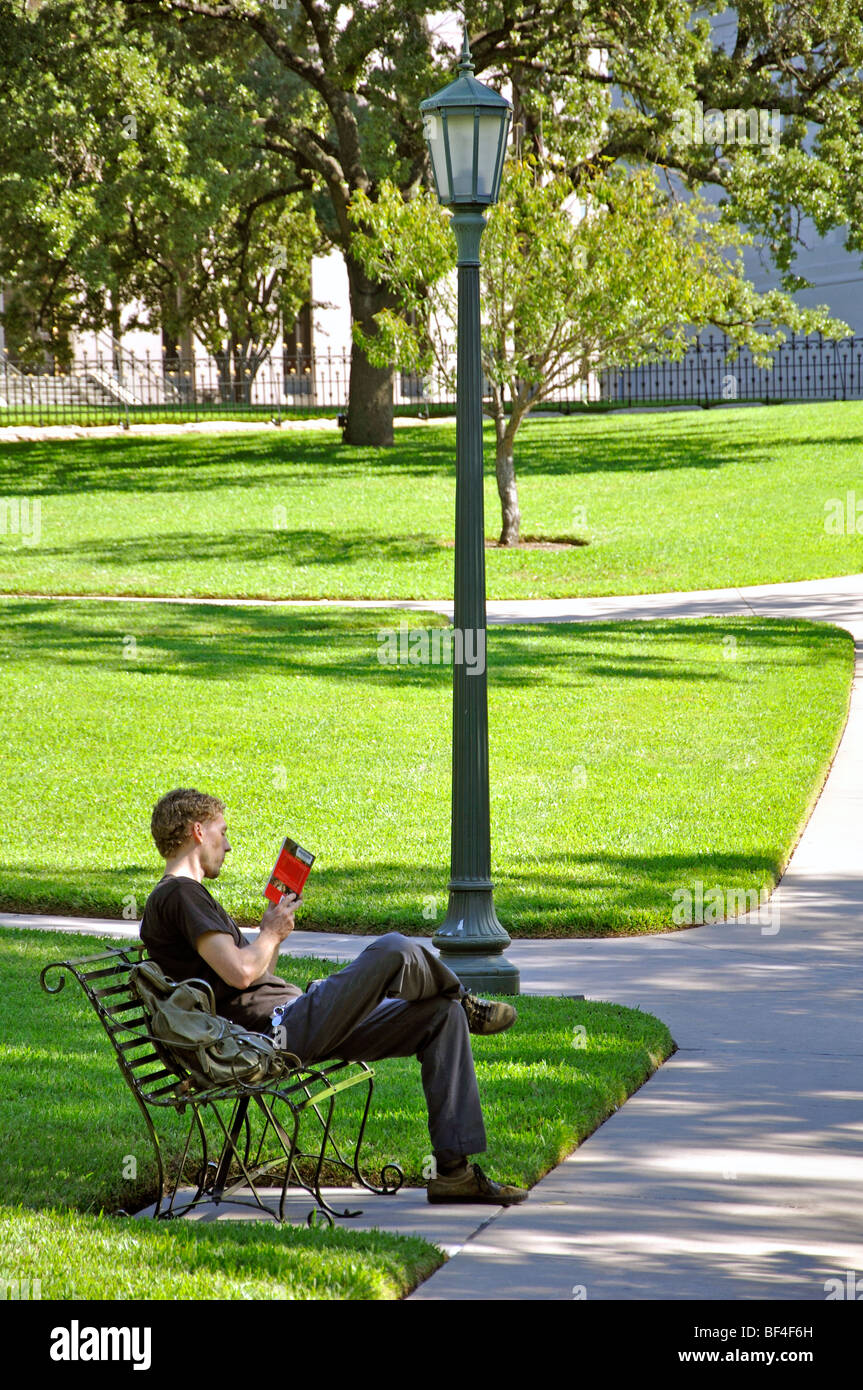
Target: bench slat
x,y
112,954
152,1056
145,1081
112,1009
129,1043
122,988
140,1027
163,1090
91,975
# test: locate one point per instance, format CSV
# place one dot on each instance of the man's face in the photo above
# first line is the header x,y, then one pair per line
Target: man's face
x,y
214,846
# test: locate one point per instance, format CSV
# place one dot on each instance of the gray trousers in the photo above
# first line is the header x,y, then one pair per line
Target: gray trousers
x,y
398,999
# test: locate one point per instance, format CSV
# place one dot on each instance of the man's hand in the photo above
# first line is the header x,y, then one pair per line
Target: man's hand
x,y
278,920
241,967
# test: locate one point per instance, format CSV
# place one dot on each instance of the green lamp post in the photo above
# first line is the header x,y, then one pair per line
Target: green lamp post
x,y
466,126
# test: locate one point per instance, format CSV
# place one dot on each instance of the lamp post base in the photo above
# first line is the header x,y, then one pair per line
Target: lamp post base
x,y
471,941
484,974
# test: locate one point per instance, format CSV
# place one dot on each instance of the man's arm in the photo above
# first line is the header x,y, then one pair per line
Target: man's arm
x,y
240,967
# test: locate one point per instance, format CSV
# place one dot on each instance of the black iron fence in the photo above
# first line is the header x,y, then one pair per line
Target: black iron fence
x,y
119,388
802,369
124,388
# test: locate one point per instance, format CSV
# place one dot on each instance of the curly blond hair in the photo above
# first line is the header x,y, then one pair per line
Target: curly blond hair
x,y
175,814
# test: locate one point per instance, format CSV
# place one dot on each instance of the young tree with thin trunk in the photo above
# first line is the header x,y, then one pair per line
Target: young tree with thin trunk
x,y
568,289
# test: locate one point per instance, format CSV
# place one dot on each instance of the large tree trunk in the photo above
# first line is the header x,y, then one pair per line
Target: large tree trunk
x,y
177,339
170,347
242,384
116,329
526,123
507,488
370,402
223,362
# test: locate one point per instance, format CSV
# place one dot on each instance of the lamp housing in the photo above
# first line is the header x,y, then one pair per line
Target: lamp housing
x,y
466,125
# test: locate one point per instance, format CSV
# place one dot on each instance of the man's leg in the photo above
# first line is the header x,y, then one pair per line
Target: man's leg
x,y
345,1016
436,1032
437,1029
393,966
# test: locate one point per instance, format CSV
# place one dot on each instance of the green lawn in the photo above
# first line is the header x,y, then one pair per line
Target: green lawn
x,y
628,760
100,1257
70,1126
685,500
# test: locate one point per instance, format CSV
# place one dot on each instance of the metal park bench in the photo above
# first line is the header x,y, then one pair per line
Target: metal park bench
x,y
232,1169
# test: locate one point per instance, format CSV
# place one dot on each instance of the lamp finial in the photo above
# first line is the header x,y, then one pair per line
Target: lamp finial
x,y
466,61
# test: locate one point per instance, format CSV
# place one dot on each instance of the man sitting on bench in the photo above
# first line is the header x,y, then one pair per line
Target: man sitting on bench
x,y
396,999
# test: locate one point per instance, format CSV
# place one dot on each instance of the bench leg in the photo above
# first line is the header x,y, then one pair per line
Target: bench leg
x,y
387,1185
171,1209
230,1148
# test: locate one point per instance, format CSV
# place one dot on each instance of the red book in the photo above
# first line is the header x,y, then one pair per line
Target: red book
x,y
290,872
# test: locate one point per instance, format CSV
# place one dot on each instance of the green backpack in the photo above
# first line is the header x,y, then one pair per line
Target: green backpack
x,y
213,1050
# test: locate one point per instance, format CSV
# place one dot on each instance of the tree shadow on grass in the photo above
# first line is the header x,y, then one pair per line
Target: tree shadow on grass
x,y
206,464
297,547
551,448
230,643
586,892
577,446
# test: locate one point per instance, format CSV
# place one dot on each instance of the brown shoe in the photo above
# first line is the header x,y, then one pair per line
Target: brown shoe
x,y
487,1015
472,1185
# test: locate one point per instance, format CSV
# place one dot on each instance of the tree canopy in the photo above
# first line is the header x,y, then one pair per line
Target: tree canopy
x,y
129,172
324,95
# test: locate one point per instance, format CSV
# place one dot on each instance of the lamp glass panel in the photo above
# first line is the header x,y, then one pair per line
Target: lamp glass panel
x,y
489,138
460,130
433,129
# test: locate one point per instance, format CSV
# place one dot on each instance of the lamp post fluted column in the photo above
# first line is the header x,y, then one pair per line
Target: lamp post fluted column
x,y
466,126
471,939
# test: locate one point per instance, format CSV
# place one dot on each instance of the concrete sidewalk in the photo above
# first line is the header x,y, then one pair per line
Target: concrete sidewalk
x,y
736,1172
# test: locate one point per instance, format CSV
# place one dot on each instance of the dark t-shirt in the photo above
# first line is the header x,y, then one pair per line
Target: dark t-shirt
x,y
176,914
